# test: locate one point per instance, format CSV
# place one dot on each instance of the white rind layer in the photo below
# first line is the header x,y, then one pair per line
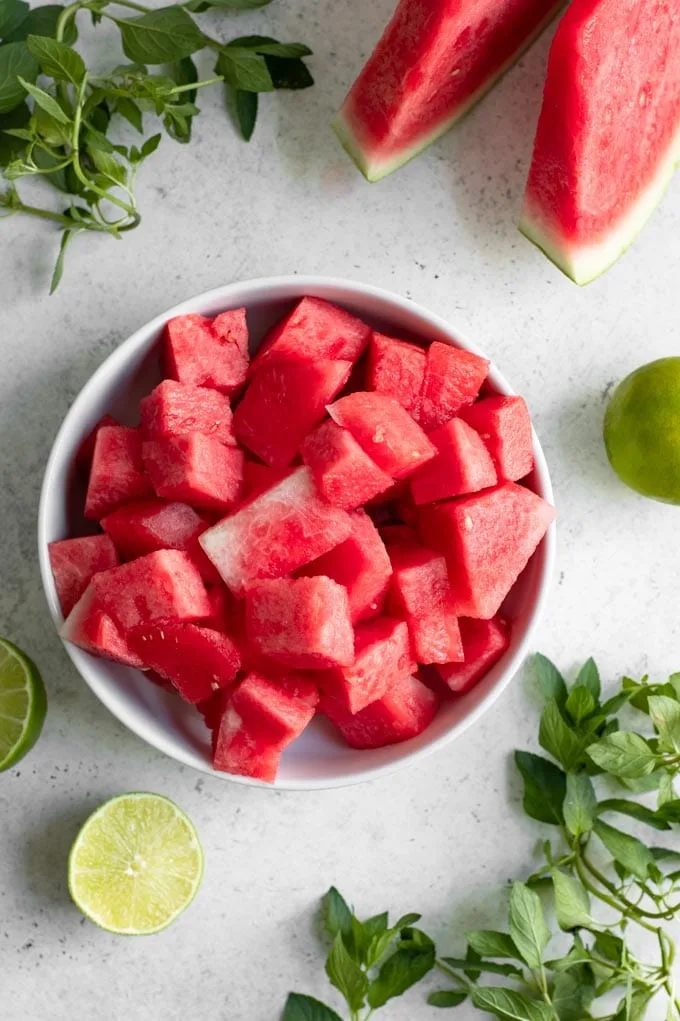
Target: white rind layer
x,y
584,262
375,170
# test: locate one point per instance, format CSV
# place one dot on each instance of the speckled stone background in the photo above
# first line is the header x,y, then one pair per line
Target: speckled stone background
x,y
443,837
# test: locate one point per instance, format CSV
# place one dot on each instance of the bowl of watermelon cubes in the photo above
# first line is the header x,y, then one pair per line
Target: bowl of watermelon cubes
x,y
296,532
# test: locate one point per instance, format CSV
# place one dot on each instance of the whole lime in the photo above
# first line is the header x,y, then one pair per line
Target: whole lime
x,y
642,430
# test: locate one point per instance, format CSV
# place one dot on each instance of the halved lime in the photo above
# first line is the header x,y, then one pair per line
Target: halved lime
x,y
136,864
23,704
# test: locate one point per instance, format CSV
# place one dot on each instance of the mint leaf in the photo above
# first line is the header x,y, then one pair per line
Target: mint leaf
x,y
624,754
12,14
289,74
580,804
245,105
589,677
491,967
244,69
628,851
528,930
557,737
306,1008
184,72
160,37
43,21
550,680
57,60
11,144
572,903
488,943
265,45
572,993
238,5
580,703
346,975
408,965
16,63
128,109
544,788
609,945
665,715
508,1005
635,811
447,998
337,917
45,102
59,266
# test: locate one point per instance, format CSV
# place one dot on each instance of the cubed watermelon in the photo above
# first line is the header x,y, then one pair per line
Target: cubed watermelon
x,y
314,330
93,630
145,526
198,660
344,474
279,531
487,539
484,642
196,469
463,465
154,589
383,654
505,427
117,474
73,563
395,368
178,409
208,352
282,405
86,448
453,378
222,605
385,430
257,478
361,565
262,717
405,710
302,622
421,595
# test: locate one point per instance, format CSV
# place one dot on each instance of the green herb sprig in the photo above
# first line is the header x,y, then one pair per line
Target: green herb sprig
x,y
519,974
58,118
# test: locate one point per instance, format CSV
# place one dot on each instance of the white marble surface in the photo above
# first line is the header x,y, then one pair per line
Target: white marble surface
x,y
444,836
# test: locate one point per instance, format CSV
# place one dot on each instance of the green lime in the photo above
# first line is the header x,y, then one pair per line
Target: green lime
x,y
642,430
23,704
136,864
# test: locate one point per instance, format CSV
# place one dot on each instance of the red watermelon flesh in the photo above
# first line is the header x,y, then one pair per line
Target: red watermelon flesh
x,y
405,710
117,474
435,60
208,352
154,589
177,409
453,379
315,329
385,430
395,368
222,605
86,449
195,469
75,561
303,622
421,594
608,138
361,565
145,526
505,427
93,630
283,403
402,534
344,474
257,478
484,642
463,464
196,659
383,654
487,539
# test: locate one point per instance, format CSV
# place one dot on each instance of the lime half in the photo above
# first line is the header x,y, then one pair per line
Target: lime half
x,y
23,704
136,864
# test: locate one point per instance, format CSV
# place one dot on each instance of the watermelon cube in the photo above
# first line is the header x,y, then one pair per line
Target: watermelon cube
x,y
361,565
86,449
222,605
90,628
487,539
117,474
405,710
195,469
197,660
343,473
277,532
75,561
421,595
382,655
484,642
282,405
208,352
385,430
145,526
463,465
154,589
395,368
263,715
314,330
505,427
453,378
178,409
302,622
257,478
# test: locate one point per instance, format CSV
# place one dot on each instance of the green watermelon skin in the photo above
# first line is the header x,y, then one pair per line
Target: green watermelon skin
x,y
608,138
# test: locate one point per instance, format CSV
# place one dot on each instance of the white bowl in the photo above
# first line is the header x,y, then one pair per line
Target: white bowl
x,y
319,759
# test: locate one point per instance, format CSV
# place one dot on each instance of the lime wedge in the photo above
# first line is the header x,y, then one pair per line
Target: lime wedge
x,y
135,865
23,704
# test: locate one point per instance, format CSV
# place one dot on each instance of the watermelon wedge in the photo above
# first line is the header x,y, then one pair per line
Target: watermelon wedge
x,y
435,60
608,138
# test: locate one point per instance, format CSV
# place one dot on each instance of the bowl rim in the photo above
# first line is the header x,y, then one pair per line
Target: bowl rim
x,y
240,291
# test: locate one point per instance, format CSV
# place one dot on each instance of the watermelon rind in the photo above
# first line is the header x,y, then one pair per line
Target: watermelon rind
x,y
375,170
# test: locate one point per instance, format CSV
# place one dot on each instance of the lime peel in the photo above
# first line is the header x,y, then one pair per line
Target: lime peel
x,y
23,704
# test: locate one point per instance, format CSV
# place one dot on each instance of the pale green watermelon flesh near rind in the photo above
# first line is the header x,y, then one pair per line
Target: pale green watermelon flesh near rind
x,y
435,61
608,139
